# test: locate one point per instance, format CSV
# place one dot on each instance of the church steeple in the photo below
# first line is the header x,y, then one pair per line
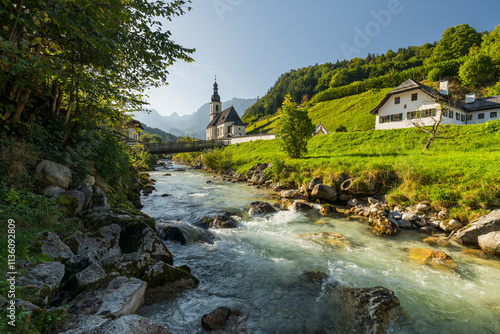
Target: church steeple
x,y
215,105
216,97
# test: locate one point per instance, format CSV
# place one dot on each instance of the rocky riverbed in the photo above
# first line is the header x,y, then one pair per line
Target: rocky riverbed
x,y
119,265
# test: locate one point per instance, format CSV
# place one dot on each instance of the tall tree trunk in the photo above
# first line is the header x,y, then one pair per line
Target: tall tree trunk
x,y
16,118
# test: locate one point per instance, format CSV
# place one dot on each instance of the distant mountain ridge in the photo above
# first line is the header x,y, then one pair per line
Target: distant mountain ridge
x,y
193,124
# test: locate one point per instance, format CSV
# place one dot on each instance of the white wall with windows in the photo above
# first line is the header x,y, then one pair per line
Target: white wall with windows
x,y
405,109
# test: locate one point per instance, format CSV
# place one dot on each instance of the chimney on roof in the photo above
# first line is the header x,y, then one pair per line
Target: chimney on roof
x,y
444,88
470,98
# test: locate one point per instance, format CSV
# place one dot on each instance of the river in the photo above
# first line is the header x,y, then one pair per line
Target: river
x,y
255,268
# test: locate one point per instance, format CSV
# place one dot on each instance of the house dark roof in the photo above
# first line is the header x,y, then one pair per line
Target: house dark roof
x,y
409,85
134,124
485,103
227,116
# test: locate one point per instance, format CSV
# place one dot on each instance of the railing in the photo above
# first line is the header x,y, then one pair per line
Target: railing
x,y
185,146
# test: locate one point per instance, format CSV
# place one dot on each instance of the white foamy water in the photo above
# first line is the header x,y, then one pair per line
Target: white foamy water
x,y
255,268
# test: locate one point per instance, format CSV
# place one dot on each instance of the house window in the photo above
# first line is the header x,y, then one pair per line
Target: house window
x,y
229,128
397,117
397,100
445,113
384,119
414,97
493,114
480,116
458,116
469,117
450,114
413,115
462,117
217,108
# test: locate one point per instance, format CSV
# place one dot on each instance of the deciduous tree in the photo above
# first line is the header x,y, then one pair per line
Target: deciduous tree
x,y
294,129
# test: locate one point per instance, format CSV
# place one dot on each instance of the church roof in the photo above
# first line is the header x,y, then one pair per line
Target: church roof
x,y
215,96
227,116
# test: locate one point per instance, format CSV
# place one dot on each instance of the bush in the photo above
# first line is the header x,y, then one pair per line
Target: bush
x,y
220,159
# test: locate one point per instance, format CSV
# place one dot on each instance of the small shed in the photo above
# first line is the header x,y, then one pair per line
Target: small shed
x,y
320,130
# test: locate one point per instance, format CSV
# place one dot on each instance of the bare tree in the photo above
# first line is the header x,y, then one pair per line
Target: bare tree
x,y
434,129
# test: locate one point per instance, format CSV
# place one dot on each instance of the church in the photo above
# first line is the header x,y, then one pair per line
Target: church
x,y
223,124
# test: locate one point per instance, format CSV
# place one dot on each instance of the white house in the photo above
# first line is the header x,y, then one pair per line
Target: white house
x,y
413,102
320,130
223,124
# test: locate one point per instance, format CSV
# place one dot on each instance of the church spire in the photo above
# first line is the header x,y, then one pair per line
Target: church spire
x,y
216,97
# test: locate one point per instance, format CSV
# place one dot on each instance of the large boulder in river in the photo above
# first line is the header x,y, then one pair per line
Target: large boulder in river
x,y
133,324
53,174
367,310
490,243
436,259
120,297
224,220
469,234
324,192
216,319
314,182
257,208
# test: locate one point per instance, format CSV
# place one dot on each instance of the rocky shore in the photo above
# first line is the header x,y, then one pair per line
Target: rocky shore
x,y
98,278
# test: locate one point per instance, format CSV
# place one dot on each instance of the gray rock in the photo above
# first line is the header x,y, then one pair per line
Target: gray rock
x,y
256,208
100,200
80,196
42,280
122,296
423,207
490,242
410,217
453,224
140,237
469,234
53,191
314,182
90,275
133,324
403,223
371,309
396,215
324,192
353,202
85,324
87,191
372,200
291,194
54,247
54,174
345,198
301,206
216,319
420,222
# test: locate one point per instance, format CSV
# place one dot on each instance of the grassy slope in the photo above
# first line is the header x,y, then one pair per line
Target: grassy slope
x,y
459,172
353,112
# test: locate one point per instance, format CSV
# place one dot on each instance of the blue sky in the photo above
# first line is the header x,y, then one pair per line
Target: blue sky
x,y
248,44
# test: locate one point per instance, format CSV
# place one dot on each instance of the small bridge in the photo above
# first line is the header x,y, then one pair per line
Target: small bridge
x,y
186,146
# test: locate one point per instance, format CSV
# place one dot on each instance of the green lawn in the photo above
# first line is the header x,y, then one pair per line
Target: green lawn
x,y
460,171
352,112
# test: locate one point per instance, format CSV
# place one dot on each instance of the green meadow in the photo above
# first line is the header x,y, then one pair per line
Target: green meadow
x,y
460,171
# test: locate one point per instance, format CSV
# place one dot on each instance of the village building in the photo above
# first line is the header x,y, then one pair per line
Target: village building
x,y
320,130
413,103
223,123
132,131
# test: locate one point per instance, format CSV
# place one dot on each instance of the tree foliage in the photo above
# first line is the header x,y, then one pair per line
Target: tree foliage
x,y
455,43
294,129
83,57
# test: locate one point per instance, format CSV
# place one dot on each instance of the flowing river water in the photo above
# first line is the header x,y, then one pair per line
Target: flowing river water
x,y
255,268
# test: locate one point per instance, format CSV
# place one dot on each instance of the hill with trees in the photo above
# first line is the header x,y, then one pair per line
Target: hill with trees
x,y
466,57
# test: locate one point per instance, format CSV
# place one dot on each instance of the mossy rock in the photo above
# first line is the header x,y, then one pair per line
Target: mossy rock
x,y
68,205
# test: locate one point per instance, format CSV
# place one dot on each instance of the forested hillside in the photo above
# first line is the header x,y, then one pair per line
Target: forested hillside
x,y
469,58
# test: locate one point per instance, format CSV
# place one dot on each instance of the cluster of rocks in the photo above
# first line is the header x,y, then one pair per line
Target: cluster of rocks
x,y
105,273
358,197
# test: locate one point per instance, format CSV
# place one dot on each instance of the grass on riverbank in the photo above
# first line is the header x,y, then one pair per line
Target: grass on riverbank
x,y
459,172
